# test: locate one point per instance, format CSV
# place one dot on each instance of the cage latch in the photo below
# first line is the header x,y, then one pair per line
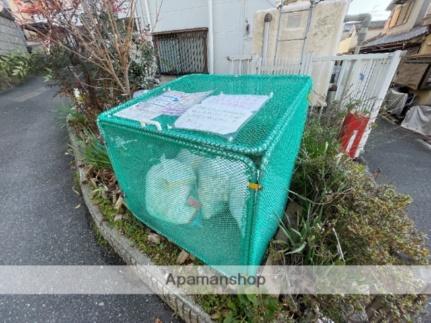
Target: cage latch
x,y
254,186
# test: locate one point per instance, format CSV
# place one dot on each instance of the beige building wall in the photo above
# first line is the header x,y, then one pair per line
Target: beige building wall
x,y
346,45
326,27
410,22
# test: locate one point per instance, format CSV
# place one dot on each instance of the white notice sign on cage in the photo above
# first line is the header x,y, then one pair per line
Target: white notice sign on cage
x,y
140,111
221,114
171,103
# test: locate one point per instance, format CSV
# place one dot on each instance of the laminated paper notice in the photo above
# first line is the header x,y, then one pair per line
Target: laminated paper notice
x,y
222,114
247,102
175,103
140,112
171,103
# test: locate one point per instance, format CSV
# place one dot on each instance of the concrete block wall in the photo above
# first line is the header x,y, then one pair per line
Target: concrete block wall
x,y
11,37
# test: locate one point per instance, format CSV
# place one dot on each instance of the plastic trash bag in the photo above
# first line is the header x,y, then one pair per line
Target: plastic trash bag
x,y
190,159
238,187
222,187
168,187
213,187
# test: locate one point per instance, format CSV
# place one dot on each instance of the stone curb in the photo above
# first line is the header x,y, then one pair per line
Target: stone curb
x,y
182,305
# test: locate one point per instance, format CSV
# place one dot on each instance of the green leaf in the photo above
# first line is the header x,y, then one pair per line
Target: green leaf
x,y
297,250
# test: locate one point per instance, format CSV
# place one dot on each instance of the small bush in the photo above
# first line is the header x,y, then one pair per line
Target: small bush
x,y
94,152
15,67
68,114
98,58
345,218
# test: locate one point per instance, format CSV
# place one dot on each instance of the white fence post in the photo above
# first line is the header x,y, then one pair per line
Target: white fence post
x,y
395,59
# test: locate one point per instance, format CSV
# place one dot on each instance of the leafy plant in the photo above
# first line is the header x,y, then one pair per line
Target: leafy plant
x,y
15,67
97,53
71,115
252,308
94,152
344,218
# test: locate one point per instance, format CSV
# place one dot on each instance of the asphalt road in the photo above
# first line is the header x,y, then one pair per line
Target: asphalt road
x,y
401,158
43,222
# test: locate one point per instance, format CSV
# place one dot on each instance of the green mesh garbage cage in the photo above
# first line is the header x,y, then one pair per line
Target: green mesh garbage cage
x,y
220,198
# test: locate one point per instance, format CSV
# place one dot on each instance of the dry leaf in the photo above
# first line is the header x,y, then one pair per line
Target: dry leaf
x,y
119,203
118,217
75,191
182,257
154,238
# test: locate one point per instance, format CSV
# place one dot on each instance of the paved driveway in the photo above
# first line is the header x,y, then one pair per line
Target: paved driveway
x,y
403,159
43,222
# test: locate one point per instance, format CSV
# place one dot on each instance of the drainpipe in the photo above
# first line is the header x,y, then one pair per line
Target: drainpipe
x,y
210,37
266,27
365,19
148,14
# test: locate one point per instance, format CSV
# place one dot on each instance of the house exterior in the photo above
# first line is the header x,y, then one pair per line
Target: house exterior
x,y
200,33
408,28
349,39
204,36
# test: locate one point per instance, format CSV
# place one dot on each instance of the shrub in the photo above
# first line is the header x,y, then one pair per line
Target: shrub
x,y
94,152
68,114
15,67
345,218
95,52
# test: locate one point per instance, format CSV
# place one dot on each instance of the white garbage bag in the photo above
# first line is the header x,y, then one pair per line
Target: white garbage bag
x,y
168,188
238,190
213,187
188,158
222,187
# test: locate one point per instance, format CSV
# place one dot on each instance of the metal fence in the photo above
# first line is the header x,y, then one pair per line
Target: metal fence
x,y
362,80
182,52
247,64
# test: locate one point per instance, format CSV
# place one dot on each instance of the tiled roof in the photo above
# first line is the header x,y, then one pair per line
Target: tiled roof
x,y
389,39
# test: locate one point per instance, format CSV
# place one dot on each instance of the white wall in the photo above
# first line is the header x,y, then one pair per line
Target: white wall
x,y
170,15
229,19
324,34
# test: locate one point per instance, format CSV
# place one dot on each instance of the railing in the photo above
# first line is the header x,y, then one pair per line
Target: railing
x,y
247,64
361,80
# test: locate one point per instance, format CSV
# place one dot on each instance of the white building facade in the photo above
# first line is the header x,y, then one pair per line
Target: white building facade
x,y
229,24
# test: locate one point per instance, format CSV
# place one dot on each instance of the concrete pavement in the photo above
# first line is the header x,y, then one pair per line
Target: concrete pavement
x,y
43,222
400,157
